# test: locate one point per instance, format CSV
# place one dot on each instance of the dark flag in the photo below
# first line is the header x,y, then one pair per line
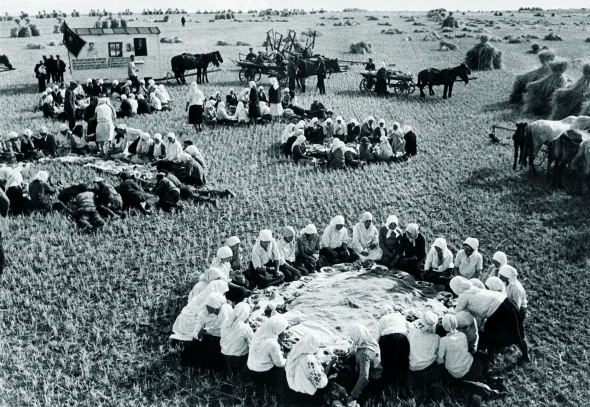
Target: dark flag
x,y
72,41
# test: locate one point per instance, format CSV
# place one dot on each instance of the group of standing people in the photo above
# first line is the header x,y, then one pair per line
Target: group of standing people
x,y
50,70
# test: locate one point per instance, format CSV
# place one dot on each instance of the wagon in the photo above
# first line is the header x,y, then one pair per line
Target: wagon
x,y
252,72
402,83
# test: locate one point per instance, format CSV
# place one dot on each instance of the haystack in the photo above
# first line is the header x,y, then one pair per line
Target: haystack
x,y
483,56
524,79
552,37
449,45
569,101
450,21
362,47
222,43
537,96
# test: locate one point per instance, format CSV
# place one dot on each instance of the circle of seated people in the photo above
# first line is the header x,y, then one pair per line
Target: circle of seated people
x,y
407,346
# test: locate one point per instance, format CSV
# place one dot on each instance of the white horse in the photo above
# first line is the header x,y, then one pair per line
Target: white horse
x,y
541,132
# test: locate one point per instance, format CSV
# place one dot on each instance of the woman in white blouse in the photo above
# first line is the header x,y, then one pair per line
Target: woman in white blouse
x,y
266,360
334,243
438,268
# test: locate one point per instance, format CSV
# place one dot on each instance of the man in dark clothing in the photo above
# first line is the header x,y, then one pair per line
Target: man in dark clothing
x,y
132,194
370,67
168,193
302,73
60,69
46,143
321,76
142,105
70,105
251,57
86,214
291,73
126,108
51,66
40,72
317,109
183,21
108,201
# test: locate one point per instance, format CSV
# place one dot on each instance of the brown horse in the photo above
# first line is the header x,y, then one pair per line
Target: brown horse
x,y
447,77
200,62
519,138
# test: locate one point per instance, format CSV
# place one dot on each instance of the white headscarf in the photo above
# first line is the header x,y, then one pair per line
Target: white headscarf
x,y
239,315
41,176
362,338
495,284
145,141
268,332
441,243
460,284
300,140
309,230
501,258
207,277
509,272
252,84
428,322
289,128
274,83
472,242
224,252
392,219
197,303
412,233
477,284
297,364
449,323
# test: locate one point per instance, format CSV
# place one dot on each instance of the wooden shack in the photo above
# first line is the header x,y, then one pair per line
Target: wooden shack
x,y
107,50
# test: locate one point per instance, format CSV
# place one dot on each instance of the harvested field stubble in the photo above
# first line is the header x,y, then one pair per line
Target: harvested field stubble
x,y
86,318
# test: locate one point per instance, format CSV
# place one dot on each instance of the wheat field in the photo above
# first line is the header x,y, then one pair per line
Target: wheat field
x,y
85,318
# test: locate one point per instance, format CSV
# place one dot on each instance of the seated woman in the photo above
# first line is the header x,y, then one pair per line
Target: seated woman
x,y
126,108
498,260
241,114
468,261
288,250
438,268
398,143
116,89
392,336
286,100
305,374
118,147
351,157
289,139
308,249
367,127
28,148
504,322
237,290
389,240
231,99
334,243
384,151
453,351
209,275
48,108
173,149
205,349
265,359
495,284
155,103
163,97
336,158
379,132
142,149
57,96
411,140
328,130
366,151
514,289
194,173
365,239
143,106
298,149
314,132
265,116
42,195
168,193
157,149
11,182
411,251
367,358
262,95
209,110
185,323
266,258
353,132
424,344
235,245
236,335
223,117
340,129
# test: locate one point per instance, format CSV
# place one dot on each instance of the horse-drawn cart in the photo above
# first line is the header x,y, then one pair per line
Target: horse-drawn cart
x,y
252,72
400,82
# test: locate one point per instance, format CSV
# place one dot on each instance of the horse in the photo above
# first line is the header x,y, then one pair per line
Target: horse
x,y
519,137
541,132
562,151
447,77
313,64
4,61
186,62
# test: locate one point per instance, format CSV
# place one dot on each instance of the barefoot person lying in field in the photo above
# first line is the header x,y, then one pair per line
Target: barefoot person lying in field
x,y
334,243
85,213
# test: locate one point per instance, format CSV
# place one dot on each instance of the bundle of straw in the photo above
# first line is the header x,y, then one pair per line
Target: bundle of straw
x,y
524,79
537,96
449,45
568,101
483,56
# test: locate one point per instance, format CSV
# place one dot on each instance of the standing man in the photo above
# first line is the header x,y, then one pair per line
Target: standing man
x,y
51,65
302,73
132,71
61,68
183,21
40,72
321,76
370,67
291,73
70,105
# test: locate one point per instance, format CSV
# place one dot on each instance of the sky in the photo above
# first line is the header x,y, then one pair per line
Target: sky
x,y
14,7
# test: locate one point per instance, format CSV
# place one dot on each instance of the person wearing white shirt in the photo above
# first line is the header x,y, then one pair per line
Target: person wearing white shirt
x,y
334,243
236,335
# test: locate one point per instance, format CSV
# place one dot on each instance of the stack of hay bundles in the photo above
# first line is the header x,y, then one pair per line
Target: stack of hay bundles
x,y
484,57
524,79
569,101
537,96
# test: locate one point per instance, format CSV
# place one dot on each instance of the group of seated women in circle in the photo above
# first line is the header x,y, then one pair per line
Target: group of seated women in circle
x,y
408,345
350,144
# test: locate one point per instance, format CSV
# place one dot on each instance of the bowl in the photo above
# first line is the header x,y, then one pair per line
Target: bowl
x,y
327,269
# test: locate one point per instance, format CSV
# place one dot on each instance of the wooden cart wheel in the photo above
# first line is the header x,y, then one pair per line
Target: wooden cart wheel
x,y
363,85
243,75
403,88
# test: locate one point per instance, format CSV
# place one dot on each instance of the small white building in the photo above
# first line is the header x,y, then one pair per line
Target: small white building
x,y
107,50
